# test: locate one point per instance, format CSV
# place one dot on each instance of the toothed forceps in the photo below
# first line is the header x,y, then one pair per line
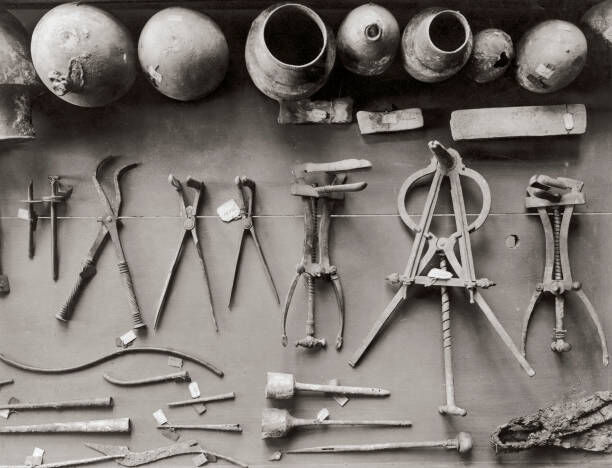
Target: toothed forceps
x,y
246,188
189,214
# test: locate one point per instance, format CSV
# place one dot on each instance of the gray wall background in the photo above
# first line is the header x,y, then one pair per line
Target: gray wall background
x,y
234,132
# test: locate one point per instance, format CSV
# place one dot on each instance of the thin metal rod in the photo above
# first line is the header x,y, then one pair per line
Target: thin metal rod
x,y
62,464
389,423
182,376
204,427
343,390
119,425
374,447
208,399
6,382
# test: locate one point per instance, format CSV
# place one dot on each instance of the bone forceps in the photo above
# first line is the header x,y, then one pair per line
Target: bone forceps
x,y
190,228
445,163
246,188
316,246
557,273
109,222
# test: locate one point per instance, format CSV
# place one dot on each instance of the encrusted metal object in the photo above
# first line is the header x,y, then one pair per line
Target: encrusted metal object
x,y
117,425
125,457
283,386
59,194
444,163
582,424
206,399
105,402
318,201
189,213
246,191
277,423
107,357
109,222
462,443
556,198
182,376
231,427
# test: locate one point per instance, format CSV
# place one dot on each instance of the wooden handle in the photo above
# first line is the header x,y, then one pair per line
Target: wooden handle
x,y
338,166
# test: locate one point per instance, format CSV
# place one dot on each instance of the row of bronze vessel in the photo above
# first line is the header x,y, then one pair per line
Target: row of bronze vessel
x,y
86,56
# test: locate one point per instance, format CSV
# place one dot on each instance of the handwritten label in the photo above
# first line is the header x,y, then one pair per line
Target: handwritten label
x,y
544,71
199,460
160,417
127,338
194,390
229,211
175,362
323,415
23,213
389,119
340,399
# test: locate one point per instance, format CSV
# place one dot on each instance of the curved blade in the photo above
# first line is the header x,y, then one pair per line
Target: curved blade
x,y
335,279
287,304
265,264
528,313
602,337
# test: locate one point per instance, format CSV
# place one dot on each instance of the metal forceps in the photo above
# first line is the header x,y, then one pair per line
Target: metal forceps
x,y
108,227
444,163
558,279
189,214
246,188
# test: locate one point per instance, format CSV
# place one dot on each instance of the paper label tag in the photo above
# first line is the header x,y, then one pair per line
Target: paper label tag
x,y
128,337
340,399
175,362
200,460
170,433
194,390
38,452
160,417
276,456
23,213
438,273
544,71
199,408
323,414
390,118
5,413
229,211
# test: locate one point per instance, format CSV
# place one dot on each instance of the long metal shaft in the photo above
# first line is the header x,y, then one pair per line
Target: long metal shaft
x,y
67,463
31,220
298,422
106,402
447,346
208,399
54,256
343,390
447,444
182,376
120,425
204,427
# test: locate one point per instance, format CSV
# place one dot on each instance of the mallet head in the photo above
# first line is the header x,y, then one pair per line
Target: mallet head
x,y
464,442
275,423
280,386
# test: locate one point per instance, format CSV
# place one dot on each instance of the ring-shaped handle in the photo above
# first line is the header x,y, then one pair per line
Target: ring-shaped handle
x,y
432,168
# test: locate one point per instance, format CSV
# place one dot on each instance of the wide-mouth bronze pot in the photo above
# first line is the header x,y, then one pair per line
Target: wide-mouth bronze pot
x,y
289,52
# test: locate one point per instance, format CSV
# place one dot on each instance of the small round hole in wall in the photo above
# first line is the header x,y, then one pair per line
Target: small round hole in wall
x,y
512,241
